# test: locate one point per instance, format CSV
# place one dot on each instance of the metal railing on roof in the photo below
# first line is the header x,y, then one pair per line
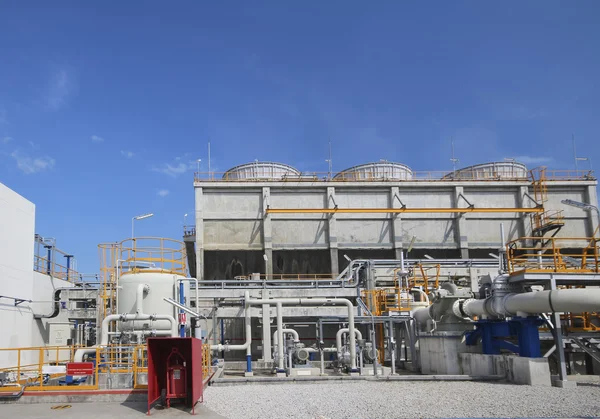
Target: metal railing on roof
x,y
551,254
416,176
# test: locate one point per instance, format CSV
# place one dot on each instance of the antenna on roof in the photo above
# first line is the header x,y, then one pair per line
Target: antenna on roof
x,y
329,161
454,160
209,159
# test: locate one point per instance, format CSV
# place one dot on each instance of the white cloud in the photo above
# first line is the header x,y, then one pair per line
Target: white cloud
x,y
127,154
533,159
61,86
29,165
6,140
97,139
175,169
163,192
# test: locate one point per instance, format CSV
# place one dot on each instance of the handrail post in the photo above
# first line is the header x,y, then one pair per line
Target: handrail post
x,y
40,364
555,255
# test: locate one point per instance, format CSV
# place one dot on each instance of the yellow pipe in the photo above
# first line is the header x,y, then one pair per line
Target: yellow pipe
x,y
398,210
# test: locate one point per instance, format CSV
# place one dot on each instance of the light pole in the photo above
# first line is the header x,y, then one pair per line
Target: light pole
x,y
199,161
139,217
583,206
184,220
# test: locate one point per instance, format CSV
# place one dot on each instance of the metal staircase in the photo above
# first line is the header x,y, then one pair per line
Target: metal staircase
x,y
586,345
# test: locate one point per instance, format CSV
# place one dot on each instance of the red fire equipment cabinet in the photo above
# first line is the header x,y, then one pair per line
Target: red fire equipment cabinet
x,y
174,371
176,387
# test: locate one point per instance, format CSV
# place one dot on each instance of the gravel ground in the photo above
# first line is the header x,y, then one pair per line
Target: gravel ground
x,y
401,400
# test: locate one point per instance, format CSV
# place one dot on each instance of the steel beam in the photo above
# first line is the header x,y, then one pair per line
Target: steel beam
x,y
400,210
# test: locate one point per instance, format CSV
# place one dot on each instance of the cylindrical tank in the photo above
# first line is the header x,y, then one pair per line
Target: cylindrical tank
x,y
494,170
154,286
261,171
383,170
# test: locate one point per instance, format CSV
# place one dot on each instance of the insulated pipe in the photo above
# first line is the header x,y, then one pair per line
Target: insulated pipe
x,y
132,317
422,315
139,300
564,300
312,302
247,345
290,331
422,293
280,348
393,345
338,338
78,357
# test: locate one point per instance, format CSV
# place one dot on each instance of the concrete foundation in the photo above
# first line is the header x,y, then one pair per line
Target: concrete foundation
x,y
516,369
441,354
304,372
381,371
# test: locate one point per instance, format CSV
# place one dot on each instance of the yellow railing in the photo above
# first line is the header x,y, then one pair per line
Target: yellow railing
x,y
427,277
547,219
527,254
32,368
378,176
152,254
206,362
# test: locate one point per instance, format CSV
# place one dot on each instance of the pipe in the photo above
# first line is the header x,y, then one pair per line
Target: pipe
x,y
422,315
322,360
290,331
279,337
181,312
338,338
312,302
247,346
197,298
14,396
79,354
559,301
139,300
422,293
393,345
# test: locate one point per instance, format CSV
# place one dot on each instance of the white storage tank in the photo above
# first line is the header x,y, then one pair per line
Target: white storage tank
x,y
377,171
261,171
148,270
154,287
491,171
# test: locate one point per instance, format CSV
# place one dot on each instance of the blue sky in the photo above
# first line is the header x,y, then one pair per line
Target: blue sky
x,y
106,106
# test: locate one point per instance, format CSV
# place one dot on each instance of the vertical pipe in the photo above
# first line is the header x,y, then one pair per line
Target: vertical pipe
x,y
68,265
222,338
280,344
322,354
266,333
181,312
248,327
393,347
49,260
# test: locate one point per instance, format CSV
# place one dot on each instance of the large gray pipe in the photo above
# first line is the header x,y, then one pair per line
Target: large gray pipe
x,y
564,300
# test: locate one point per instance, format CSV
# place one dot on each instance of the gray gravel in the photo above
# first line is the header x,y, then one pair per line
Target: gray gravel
x,y
401,400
